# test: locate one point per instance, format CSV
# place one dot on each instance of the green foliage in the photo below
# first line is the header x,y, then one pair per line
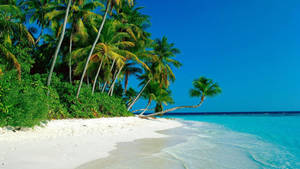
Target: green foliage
x,y
22,103
23,55
88,105
91,106
124,45
205,87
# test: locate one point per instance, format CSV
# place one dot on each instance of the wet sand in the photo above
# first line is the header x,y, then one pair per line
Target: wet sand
x,y
142,154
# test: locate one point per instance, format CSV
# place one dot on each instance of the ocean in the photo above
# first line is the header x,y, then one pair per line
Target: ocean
x,y
227,141
246,141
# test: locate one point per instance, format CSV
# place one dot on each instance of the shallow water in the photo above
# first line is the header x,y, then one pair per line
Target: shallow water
x,y
245,141
214,142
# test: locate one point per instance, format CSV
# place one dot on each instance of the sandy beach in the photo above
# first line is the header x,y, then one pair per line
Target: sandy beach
x,y
67,144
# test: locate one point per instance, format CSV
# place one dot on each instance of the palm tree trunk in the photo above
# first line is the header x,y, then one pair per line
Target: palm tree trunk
x,y
111,68
176,108
104,86
97,74
149,102
70,58
113,84
58,46
93,47
138,96
109,90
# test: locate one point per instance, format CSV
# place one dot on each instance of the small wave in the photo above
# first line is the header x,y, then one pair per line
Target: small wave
x,y
213,146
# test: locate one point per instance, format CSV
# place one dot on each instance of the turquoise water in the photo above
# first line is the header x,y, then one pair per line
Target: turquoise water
x,y
239,142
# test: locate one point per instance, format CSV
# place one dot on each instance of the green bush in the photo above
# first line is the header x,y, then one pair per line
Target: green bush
x,y
25,103
88,105
56,109
22,103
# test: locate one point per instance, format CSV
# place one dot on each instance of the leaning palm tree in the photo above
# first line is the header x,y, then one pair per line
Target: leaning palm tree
x,y
150,93
146,79
109,4
59,44
203,88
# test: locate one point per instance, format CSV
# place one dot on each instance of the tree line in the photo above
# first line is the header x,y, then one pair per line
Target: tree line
x,y
83,50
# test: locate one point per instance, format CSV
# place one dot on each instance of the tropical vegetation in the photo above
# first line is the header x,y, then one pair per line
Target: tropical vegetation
x,y
74,59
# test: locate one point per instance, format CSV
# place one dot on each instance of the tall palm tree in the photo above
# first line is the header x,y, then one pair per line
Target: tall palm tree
x,y
160,61
162,66
80,15
109,4
59,44
113,47
203,88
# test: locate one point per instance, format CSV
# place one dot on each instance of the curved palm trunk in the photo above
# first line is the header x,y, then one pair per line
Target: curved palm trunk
x,y
176,108
113,84
93,47
149,102
70,58
58,46
138,96
97,74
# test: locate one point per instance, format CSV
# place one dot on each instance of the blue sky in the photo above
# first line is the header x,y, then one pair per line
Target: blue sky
x,y
250,47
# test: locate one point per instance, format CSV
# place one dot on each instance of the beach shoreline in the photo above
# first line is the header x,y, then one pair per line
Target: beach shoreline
x,y
64,144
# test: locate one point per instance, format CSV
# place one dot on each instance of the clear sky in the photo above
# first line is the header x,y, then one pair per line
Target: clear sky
x,y
250,47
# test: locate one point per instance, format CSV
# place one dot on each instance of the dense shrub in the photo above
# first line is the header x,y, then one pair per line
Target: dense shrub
x,y
25,103
22,103
56,110
88,105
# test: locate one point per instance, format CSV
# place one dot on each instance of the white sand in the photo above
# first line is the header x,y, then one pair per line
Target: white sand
x,y
66,144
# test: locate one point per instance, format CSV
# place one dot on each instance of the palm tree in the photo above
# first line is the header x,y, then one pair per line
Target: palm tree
x,y
113,47
160,61
146,78
129,95
36,10
13,32
163,97
162,66
110,3
79,17
150,93
203,88
59,44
